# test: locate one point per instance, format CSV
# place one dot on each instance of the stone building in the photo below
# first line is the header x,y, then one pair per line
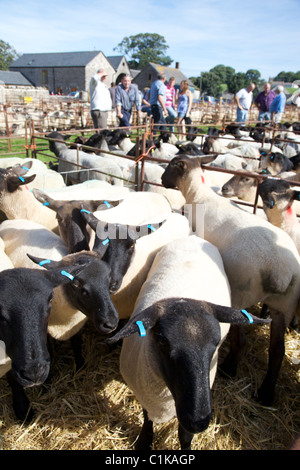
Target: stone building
x,y
150,72
64,72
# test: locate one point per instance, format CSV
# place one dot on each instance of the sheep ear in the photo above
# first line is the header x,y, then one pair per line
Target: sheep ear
x,y
62,275
44,199
235,316
45,263
13,182
207,158
22,169
140,323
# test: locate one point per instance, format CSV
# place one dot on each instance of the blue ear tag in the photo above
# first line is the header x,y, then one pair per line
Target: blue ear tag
x,y
151,228
247,315
25,168
64,273
85,210
45,261
105,242
141,328
107,203
46,203
22,179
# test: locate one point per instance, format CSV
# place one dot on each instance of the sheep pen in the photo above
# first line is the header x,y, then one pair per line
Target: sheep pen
x,y
93,409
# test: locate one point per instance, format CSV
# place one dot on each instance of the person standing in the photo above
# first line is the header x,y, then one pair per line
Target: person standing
x,y
100,99
185,101
243,99
126,96
158,101
263,102
278,105
170,103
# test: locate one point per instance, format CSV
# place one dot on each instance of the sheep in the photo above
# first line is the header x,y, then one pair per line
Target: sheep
x,y
260,260
278,198
276,163
183,310
121,139
72,227
89,189
44,178
116,244
242,185
164,150
25,300
137,208
175,226
68,159
17,202
89,297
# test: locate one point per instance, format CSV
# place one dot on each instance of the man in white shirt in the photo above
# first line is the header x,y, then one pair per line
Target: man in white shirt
x,y
243,99
100,99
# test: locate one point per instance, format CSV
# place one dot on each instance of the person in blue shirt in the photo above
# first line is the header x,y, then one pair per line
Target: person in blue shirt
x,y
158,101
126,96
278,104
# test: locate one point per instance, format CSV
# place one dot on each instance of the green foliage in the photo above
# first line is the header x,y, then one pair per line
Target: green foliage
x,y
287,77
144,48
223,78
7,55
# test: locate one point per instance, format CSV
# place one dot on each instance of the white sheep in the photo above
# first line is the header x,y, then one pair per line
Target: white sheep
x,y
261,261
164,151
278,203
183,307
136,208
44,177
69,158
18,202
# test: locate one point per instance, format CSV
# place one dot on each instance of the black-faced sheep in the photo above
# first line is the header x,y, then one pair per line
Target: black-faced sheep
x,y
172,367
25,300
249,246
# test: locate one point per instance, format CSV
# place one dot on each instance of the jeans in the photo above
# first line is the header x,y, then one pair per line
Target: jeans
x,y
158,116
241,115
171,118
124,121
264,116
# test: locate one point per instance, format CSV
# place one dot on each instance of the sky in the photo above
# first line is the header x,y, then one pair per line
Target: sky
x,y
259,34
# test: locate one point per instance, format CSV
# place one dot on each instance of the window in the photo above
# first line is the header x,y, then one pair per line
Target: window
x,y
44,77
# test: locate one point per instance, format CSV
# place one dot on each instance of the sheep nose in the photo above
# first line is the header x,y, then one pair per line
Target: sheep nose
x,y
114,286
35,374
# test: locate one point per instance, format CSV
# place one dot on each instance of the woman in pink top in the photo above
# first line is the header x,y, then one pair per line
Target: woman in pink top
x,y
170,103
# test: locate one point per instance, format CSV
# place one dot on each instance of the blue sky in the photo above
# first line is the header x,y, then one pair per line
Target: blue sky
x,y
259,34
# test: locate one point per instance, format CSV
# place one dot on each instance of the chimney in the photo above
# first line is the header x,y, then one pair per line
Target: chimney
x,y
176,65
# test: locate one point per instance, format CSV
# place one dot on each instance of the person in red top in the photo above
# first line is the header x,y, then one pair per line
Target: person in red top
x,y
170,103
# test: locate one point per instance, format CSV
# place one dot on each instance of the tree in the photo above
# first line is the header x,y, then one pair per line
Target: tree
x,y
238,81
211,83
287,76
7,55
144,48
225,73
